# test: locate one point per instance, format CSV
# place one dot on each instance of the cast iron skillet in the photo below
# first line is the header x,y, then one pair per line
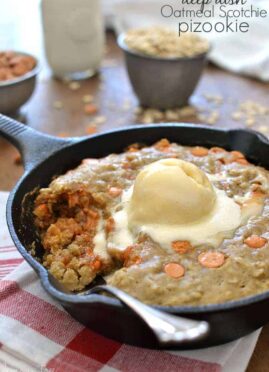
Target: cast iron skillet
x,y
45,156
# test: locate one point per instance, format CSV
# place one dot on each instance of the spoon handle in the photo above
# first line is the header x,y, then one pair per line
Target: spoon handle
x,y
168,329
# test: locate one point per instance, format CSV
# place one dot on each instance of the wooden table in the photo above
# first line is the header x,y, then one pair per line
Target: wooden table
x,y
117,104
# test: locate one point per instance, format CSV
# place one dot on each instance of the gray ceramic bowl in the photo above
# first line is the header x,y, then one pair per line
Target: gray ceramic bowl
x,y
15,93
162,83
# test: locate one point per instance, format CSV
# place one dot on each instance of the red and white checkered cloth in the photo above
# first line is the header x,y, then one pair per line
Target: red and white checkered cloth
x,y
36,334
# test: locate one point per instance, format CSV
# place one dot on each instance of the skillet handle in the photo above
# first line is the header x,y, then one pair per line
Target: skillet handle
x,y
33,145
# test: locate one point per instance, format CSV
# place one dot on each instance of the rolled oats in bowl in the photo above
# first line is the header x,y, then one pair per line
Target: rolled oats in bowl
x,y
159,41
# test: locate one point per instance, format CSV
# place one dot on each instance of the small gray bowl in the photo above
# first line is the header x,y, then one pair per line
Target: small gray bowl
x,y
16,92
162,83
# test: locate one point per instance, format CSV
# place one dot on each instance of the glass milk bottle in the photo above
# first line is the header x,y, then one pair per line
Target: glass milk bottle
x,y
74,37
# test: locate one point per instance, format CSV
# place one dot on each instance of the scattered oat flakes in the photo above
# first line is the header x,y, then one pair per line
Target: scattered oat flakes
x,y
250,122
250,112
100,119
171,115
74,85
147,119
58,105
88,98
253,108
247,112
164,42
126,105
213,98
202,118
151,115
263,129
187,111
213,117
237,115
138,110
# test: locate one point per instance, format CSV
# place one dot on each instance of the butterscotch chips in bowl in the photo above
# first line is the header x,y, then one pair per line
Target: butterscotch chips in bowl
x,y
18,73
14,65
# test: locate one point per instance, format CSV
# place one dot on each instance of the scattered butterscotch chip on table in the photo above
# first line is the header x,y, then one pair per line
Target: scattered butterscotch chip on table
x,y
90,109
63,135
91,129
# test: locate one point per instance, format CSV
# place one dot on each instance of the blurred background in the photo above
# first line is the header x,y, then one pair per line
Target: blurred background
x,y
232,91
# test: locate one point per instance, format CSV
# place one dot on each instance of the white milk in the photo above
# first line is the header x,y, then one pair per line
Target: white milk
x,y
74,37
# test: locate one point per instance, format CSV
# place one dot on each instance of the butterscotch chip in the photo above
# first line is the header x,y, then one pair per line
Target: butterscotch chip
x,y
9,54
242,161
90,109
216,150
258,194
174,270
13,65
19,69
110,225
30,62
114,191
255,241
211,260
199,151
237,155
63,135
162,144
181,246
5,73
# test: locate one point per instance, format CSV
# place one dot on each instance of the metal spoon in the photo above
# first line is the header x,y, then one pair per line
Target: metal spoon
x,y
168,329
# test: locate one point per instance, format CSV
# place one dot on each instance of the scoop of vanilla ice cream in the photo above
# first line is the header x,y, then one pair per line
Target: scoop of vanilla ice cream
x,y
170,191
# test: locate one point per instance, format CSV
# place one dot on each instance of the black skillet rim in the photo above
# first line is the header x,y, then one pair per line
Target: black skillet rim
x,y
97,298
